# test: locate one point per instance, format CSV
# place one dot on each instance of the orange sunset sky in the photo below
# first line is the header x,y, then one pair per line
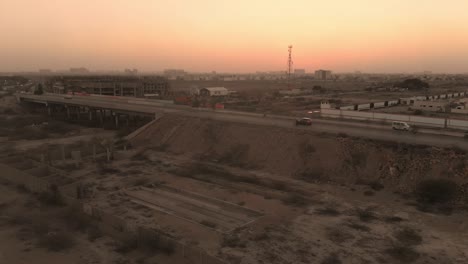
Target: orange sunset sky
x,y
235,36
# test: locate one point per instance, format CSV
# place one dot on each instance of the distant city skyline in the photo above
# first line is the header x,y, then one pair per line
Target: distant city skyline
x,y
242,36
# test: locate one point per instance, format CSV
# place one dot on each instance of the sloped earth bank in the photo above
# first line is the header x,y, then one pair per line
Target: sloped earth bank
x,y
326,191
305,155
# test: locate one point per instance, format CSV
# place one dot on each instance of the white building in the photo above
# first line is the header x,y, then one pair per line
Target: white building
x,y
323,75
214,91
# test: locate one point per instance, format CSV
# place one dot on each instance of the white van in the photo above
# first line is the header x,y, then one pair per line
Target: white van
x,y
397,125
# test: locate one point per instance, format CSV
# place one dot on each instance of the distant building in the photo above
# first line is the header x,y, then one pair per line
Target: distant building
x,y
44,71
81,70
174,73
299,72
146,86
131,72
323,75
433,106
214,91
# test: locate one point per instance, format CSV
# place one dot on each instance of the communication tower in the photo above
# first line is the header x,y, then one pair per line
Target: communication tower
x,y
290,66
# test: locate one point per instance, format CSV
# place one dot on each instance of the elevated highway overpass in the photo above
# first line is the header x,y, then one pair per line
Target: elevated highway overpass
x,y
148,107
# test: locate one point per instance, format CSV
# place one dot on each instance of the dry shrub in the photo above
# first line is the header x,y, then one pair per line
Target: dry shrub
x,y
127,244
365,215
155,243
329,211
338,235
408,236
94,232
235,155
57,241
75,218
208,223
232,240
139,181
333,258
358,227
295,199
434,191
402,253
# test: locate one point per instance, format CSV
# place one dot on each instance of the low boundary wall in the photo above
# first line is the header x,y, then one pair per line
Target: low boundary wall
x,y
423,121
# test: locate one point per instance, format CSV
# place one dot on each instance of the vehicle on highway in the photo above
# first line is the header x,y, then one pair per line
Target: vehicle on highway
x,y
68,96
397,125
304,121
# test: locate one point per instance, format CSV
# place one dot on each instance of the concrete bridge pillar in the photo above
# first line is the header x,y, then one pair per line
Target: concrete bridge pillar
x,y
101,118
116,118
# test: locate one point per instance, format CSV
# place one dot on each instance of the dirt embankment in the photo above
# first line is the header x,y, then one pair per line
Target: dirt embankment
x,y
306,155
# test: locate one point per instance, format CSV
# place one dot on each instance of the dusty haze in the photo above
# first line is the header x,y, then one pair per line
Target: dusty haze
x,y
240,36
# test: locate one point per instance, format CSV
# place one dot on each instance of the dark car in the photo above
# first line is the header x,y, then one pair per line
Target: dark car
x,y
304,122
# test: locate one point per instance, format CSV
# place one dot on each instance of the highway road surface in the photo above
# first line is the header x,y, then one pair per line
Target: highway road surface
x,y
431,137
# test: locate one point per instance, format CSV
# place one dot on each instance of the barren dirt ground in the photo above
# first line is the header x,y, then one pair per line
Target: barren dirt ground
x,y
352,223
252,195
21,245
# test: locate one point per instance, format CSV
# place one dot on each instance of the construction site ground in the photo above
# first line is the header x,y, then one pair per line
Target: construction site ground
x,y
251,194
325,220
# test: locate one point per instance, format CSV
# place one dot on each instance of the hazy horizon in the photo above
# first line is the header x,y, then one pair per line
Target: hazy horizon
x,y
243,36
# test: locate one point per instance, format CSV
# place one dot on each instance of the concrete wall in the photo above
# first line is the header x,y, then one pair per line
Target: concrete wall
x,y
379,117
379,105
363,106
457,124
459,111
405,101
349,107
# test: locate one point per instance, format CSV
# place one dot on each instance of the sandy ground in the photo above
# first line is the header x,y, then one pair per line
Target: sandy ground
x,y
313,193
83,135
342,221
20,247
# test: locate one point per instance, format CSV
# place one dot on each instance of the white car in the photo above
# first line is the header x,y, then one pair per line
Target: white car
x,y
397,125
